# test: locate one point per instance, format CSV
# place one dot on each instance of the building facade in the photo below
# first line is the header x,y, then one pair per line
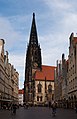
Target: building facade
x,y
9,78
44,85
58,83
20,96
72,71
33,63
66,83
61,82
39,79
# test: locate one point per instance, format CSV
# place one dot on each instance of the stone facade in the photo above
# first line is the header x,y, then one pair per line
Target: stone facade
x,y
38,91
66,95
33,63
58,83
72,71
44,85
9,78
43,97
64,81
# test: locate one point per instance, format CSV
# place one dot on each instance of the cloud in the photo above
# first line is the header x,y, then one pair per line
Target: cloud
x,y
52,47
69,22
56,41
58,4
15,45
8,33
54,22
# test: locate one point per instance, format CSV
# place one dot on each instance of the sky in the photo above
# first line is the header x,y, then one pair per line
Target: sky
x,y
55,21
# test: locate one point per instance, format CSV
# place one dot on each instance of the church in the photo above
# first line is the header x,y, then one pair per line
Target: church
x,y
39,79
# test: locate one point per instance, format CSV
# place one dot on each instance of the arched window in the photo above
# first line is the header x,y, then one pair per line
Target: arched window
x,y
49,88
39,88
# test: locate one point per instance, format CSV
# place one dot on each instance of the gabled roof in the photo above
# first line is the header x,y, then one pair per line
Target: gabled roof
x,y
47,72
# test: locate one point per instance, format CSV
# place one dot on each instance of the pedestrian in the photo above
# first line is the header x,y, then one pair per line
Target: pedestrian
x,y
14,107
54,108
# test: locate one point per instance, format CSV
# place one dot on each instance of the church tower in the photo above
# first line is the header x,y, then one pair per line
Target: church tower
x,y
33,63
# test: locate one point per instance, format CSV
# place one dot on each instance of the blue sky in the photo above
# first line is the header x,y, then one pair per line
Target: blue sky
x,y
55,21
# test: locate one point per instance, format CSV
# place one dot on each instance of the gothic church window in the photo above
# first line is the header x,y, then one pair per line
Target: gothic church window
x,y
37,98
39,88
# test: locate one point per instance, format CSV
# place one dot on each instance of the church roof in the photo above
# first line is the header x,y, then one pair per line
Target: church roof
x,y
47,73
33,33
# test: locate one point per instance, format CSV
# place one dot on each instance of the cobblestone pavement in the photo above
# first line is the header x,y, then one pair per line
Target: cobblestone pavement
x,y
38,113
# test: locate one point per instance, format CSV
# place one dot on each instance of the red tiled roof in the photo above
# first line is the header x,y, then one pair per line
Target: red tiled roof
x,y
21,91
47,71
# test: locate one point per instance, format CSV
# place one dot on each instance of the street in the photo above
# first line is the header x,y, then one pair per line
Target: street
x,y
38,112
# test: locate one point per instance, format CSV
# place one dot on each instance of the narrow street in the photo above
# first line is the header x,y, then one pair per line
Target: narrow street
x,y
38,112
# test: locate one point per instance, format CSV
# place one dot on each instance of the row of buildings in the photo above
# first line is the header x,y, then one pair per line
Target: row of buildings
x,y
66,77
47,83
39,79
42,84
9,79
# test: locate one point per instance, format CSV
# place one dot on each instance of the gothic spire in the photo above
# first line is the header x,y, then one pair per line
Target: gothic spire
x,y
33,33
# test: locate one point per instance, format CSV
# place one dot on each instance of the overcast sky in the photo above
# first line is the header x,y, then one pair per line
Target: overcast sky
x,y
55,21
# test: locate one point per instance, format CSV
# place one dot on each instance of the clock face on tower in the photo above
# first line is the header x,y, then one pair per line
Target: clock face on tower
x,y
35,65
